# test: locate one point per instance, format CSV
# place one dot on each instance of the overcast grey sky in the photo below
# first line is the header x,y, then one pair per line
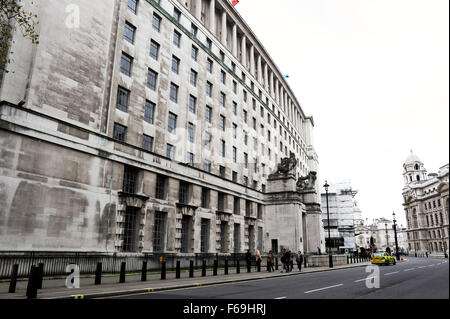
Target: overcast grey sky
x,y
375,76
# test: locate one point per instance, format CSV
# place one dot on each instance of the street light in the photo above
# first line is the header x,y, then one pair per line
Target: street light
x,y
330,255
397,254
387,238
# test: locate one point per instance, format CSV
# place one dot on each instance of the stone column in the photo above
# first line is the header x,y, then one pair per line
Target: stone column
x,y
252,60
212,16
244,51
266,77
272,93
260,69
198,9
224,28
277,91
234,41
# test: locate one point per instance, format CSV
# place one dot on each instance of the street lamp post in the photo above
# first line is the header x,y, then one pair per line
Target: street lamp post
x,y
387,237
397,253
330,255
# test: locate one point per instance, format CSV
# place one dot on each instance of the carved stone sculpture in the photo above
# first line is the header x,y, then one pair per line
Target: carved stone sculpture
x,y
307,182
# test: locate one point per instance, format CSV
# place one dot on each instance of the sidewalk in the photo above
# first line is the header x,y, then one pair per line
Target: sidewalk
x,y
56,288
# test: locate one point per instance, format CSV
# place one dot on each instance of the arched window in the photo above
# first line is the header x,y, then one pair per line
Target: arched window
x,y
418,178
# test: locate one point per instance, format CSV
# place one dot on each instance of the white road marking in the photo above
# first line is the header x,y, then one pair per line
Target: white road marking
x,y
307,292
432,265
410,269
281,298
365,279
422,267
391,273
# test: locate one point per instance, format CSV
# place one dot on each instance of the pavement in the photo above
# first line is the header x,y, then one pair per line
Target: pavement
x,y
56,288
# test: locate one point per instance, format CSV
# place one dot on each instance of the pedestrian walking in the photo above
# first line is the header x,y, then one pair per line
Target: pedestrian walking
x,y
299,260
270,261
258,259
283,260
291,261
319,251
287,258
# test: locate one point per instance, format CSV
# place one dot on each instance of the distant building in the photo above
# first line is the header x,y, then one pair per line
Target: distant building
x,y
426,206
342,222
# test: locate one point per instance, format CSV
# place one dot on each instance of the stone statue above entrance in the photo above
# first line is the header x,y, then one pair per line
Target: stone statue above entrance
x,y
307,182
287,165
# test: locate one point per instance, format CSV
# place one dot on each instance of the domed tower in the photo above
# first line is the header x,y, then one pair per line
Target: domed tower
x,y
414,170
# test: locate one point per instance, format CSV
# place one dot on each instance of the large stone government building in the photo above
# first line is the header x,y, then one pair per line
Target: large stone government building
x,y
152,127
426,202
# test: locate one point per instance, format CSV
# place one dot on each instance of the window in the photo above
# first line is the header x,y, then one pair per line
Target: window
x,y
159,229
132,6
209,89
160,187
147,143
192,104
122,99
209,43
194,30
222,123
235,106
208,139
234,154
208,114
221,202
130,30
174,92
154,49
222,171
235,177
120,132
222,56
204,236
207,166
183,193
170,151
222,148
205,197
191,132
175,65
245,116
172,122
152,79
193,78
185,230
149,115
130,230
235,127
125,64
245,160
130,177
245,181
245,96
234,87
209,65
223,237
233,67
223,77
194,53
176,14
156,22
222,99
176,38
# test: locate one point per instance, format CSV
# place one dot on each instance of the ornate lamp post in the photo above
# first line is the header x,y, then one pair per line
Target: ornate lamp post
x,y
397,253
387,237
330,255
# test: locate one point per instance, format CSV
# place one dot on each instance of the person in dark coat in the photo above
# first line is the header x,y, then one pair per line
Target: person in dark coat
x,y
299,260
287,258
283,260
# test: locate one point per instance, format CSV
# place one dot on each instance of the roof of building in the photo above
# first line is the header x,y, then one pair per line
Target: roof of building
x,y
412,158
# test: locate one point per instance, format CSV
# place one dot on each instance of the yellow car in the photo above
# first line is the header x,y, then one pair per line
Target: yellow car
x,y
383,258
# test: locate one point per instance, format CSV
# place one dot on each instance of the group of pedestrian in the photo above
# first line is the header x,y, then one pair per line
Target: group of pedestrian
x,y
287,260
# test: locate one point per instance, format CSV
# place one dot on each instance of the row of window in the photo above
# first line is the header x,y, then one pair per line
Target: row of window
x,y
156,22
428,204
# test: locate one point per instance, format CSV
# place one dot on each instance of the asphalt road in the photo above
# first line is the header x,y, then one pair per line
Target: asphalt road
x,y
415,278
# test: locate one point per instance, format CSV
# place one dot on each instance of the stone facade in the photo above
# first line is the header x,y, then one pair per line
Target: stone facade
x,y
108,144
426,203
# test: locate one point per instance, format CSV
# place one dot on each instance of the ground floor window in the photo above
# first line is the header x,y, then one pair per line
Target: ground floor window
x,y
130,230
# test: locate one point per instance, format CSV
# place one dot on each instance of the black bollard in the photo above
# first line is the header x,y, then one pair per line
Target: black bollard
x,y
305,260
122,272
269,268
238,267
178,271
204,268
98,274
259,266
216,264
249,266
40,275
348,261
144,271
276,263
226,266
12,284
32,283
191,269
163,270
